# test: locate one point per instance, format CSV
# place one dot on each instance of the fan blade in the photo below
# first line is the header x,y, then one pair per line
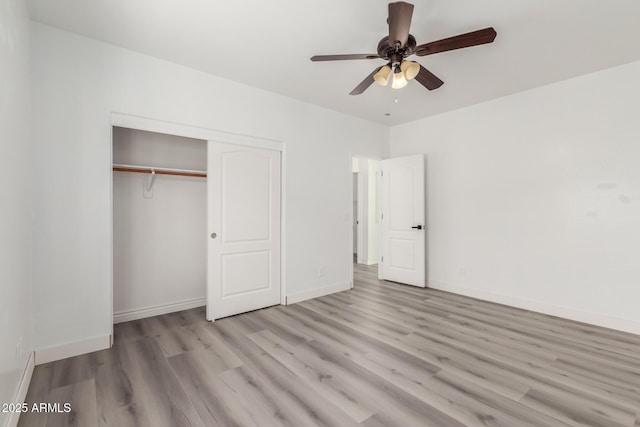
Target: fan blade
x,y
427,79
344,57
399,21
473,38
364,85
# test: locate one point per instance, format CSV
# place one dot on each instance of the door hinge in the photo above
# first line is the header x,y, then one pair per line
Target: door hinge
x,y
381,216
382,259
381,173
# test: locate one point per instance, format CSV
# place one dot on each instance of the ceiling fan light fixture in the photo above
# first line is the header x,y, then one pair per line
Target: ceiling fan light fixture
x,y
399,44
410,69
382,76
399,81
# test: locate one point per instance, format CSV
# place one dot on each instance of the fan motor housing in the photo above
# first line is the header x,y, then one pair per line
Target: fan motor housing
x,y
391,52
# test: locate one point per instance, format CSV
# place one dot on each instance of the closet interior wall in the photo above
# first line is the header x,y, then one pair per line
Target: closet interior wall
x,y
159,236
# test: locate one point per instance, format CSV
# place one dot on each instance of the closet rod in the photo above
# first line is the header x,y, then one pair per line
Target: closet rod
x,y
159,171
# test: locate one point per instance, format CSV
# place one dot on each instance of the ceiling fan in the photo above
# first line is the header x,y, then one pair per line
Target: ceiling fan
x,y
399,44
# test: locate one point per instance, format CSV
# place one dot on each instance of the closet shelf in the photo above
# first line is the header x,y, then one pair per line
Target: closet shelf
x,y
159,171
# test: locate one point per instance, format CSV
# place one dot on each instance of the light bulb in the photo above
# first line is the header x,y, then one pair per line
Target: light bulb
x,y
398,80
382,76
410,69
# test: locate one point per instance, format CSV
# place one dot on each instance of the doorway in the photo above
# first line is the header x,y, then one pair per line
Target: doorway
x,y
365,179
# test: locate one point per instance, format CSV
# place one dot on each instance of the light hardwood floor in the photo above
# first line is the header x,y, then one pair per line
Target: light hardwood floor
x,y
382,354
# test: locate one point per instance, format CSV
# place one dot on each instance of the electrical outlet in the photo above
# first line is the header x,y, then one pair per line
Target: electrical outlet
x,y
462,271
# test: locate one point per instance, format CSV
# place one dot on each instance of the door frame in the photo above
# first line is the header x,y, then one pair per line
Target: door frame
x,y
358,247
177,129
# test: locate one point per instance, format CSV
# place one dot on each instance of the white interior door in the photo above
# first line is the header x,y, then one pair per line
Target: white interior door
x,y
403,220
243,269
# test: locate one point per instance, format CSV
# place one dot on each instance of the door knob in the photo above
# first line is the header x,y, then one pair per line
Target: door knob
x,y
214,235
417,227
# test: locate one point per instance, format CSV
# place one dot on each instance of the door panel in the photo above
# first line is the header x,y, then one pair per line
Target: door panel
x,y
401,178
244,213
238,279
246,192
403,208
402,254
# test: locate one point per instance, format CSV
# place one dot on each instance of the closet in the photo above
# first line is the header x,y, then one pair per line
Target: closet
x,y
159,223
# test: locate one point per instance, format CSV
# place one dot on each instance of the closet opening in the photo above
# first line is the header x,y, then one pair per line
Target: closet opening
x,y
159,224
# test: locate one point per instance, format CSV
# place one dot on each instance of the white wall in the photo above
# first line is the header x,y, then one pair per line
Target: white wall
x,y
534,199
159,242
16,198
79,81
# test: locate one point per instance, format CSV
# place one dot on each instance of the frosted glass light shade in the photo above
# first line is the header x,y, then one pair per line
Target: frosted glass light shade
x,y
398,80
382,76
410,69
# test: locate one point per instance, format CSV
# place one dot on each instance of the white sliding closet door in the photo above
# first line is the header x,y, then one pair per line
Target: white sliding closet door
x,y
243,268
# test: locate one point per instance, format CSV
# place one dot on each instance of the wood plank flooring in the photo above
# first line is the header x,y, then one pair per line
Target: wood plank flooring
x,y
382,354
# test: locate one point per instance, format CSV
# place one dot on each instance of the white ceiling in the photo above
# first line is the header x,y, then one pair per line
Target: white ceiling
x,y
267,44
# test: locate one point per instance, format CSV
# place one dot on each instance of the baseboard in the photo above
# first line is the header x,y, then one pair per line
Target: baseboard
x,y
21,396
317,292
597,319
141,313
59,352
